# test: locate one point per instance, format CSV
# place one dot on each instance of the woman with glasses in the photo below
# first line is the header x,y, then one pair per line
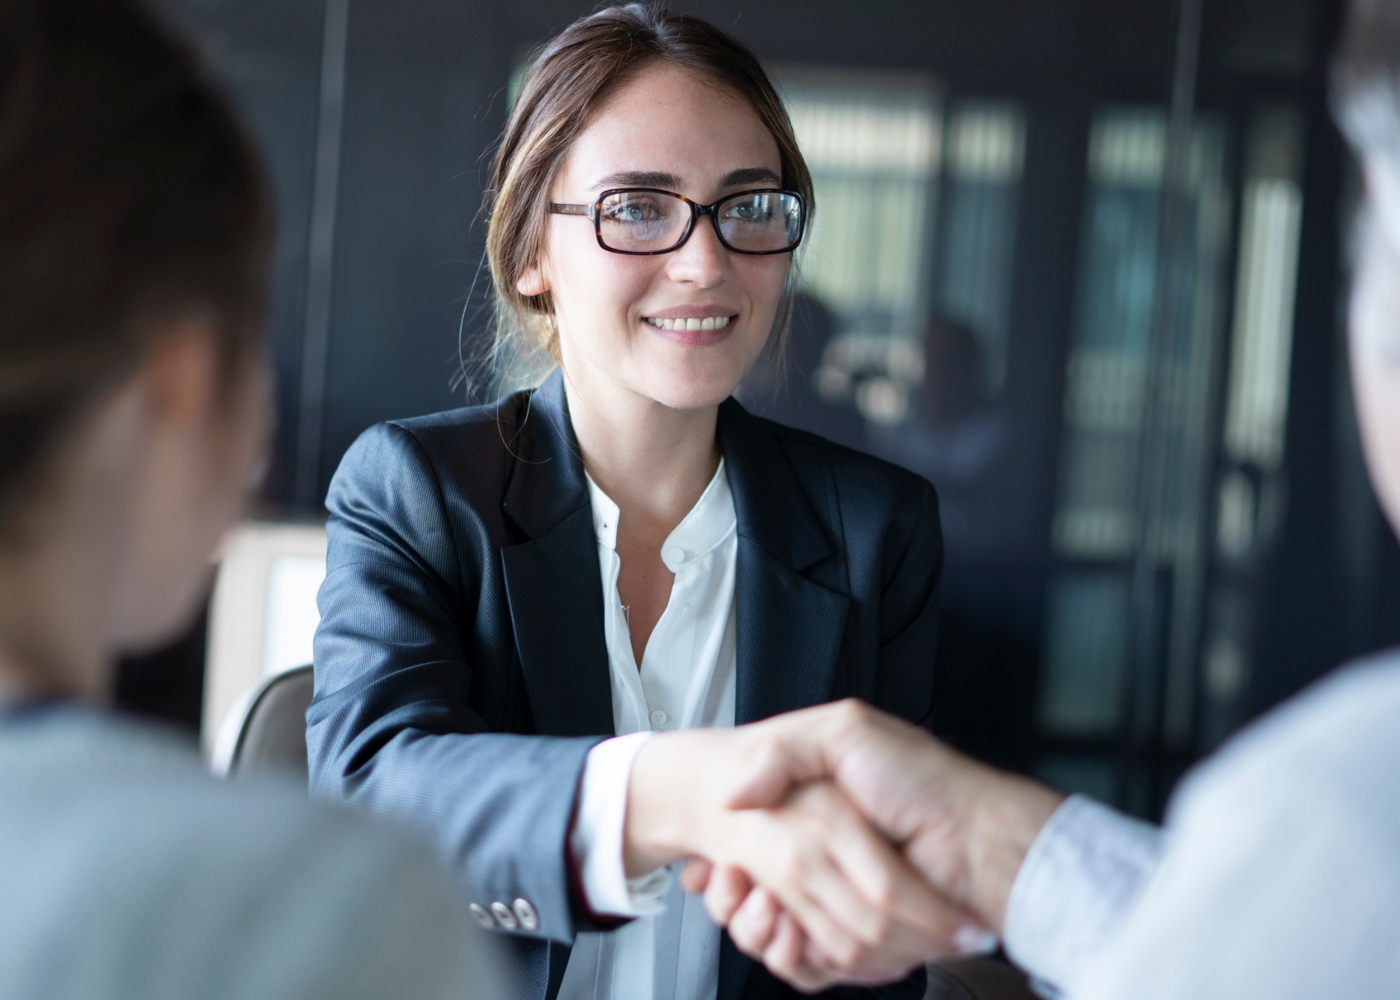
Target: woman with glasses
x,y
531,607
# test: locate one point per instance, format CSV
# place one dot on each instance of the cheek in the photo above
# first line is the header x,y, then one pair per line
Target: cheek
x,y
594,290
764,281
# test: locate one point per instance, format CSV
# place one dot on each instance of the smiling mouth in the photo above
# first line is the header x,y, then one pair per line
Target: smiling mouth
x,y
708,323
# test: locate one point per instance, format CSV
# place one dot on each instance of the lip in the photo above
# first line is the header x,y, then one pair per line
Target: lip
x,y
692,312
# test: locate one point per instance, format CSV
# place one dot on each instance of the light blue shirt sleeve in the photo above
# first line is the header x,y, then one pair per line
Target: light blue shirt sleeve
x,y
1278,874
1076,887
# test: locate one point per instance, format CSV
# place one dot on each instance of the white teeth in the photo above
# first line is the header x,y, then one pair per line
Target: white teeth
x,y
708,323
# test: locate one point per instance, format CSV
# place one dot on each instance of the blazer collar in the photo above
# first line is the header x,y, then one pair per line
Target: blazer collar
x,y
546,482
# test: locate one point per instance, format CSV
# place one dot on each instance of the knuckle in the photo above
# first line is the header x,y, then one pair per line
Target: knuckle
x,y
849,954
883,892
880,932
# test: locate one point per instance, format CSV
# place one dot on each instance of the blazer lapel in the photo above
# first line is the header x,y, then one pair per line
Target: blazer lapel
x,y
552,579
790,628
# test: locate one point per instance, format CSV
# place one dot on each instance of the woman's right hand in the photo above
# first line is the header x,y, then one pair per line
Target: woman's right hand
x,y
852,893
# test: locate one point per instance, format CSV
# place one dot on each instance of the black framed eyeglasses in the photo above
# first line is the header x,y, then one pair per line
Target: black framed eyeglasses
x,y
651,221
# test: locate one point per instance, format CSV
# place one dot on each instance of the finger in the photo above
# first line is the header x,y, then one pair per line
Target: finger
x,y
901,912
867,888
755,922
695,876
863,975
849,928
790,749
784,958
788,849
729,887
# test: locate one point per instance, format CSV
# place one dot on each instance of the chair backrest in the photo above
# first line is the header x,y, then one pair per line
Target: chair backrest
x,y
263,613
977,979
266,730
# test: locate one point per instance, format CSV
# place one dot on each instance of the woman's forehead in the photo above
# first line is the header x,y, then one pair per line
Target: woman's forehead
x,y
671,122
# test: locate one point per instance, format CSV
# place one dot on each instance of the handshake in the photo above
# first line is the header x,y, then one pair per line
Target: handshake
x,y
838,844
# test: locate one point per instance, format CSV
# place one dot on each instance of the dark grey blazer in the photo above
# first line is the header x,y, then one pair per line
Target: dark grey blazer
x,y
461,669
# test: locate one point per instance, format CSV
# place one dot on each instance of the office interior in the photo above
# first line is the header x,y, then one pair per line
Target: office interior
x,y
1081,264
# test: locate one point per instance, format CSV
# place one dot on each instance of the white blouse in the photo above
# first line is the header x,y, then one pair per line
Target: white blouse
x,y
686,679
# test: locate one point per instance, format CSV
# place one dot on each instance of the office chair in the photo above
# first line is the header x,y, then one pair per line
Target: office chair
x,y
263,612
266,729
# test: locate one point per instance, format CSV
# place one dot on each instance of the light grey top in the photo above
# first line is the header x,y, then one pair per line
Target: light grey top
x,y
1277,873
127,872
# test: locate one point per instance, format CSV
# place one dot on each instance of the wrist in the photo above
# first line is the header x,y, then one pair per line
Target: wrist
x,y
660,828
1005,815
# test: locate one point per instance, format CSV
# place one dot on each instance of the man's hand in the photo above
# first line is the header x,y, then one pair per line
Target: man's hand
x,y
965,828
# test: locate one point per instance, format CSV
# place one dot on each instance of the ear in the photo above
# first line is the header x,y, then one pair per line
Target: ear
x,y
181,371
532,282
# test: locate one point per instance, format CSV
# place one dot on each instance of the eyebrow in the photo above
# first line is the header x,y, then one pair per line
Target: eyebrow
x,y
670,182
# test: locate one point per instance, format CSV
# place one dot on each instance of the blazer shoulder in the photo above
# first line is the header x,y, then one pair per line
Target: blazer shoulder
x,y
470,429
463,453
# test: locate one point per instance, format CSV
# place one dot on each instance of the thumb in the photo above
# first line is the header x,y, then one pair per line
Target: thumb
x,y
766,777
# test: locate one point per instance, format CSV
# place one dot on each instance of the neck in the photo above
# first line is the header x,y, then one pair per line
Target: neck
x,y
652,460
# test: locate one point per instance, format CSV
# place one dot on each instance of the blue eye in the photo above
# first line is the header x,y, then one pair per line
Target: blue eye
x,y
757,211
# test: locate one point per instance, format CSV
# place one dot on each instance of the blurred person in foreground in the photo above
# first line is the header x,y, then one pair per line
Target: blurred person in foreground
x,y
134,244
1278,871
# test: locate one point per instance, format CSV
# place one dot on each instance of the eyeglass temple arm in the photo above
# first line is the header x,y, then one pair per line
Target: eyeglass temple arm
x,y
558,209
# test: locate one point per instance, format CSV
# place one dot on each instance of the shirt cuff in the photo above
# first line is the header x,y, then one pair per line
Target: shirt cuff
x,y
1077,885
596,839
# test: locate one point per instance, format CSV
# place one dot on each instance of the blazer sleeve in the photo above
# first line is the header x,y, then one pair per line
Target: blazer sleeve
x,y
390,727
909,611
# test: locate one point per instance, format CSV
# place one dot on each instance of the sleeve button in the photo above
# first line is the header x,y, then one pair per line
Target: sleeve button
x,y
504,916
529,919
482,917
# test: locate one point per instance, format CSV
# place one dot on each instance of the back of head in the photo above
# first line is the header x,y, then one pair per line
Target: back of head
x,y
128,193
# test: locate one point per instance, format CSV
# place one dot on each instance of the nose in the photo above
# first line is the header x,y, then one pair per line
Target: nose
x,y
702,261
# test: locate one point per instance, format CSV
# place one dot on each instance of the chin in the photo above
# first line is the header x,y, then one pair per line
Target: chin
x,y
693,391
695,380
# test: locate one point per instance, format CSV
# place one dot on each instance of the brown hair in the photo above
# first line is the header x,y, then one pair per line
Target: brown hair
x,y
128,192
570,78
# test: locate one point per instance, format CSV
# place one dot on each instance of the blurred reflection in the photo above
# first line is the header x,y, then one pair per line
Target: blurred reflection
x,y
955,431
789,392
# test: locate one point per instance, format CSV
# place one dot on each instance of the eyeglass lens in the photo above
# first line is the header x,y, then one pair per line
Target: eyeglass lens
x,y
651,221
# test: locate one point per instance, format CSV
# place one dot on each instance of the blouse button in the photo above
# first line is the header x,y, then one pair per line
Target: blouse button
x,y
658,718
676,555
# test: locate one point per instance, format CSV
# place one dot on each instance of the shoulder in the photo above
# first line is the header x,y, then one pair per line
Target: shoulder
x,y
1282,867
1335,748
127,845
402,472
478,432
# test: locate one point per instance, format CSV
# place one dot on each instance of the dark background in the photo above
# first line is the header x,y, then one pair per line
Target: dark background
x,y
425,97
